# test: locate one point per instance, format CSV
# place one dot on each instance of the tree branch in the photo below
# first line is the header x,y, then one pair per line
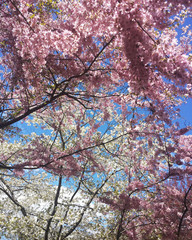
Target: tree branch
x,y
12,198
86,207
54,208
184,212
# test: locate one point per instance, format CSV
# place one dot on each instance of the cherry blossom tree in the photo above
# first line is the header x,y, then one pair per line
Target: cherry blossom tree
x,y
102,82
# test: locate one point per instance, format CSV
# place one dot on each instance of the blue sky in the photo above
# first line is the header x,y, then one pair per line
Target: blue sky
x,y
186,108
186,113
